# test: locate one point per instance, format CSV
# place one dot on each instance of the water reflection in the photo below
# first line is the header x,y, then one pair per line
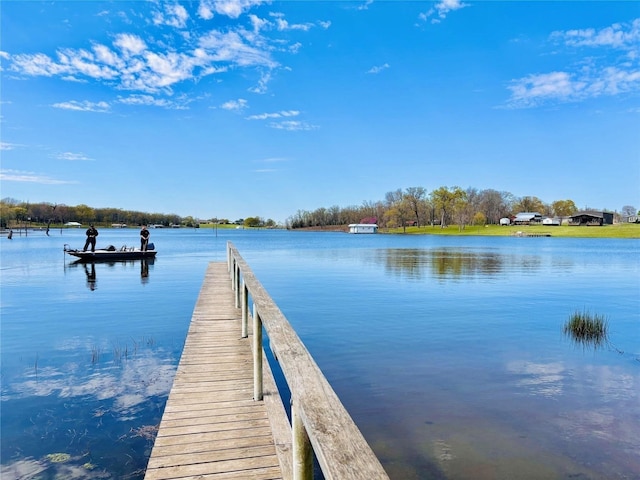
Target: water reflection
x,y
82,401
144,271
452,263
91,276
90,269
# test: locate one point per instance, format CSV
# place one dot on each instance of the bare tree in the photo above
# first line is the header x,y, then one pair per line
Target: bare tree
x,y
414,197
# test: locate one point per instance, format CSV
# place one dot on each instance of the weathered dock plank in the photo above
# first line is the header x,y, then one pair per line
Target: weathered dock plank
x,y
211,427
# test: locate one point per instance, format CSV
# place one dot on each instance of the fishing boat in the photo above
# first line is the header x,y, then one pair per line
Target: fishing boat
x,y
112,253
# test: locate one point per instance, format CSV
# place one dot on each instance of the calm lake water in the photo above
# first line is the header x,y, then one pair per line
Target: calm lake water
x,y
448,352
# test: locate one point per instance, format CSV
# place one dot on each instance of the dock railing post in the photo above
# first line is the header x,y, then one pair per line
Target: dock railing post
x,y
302,451
245,310
236,287
257,355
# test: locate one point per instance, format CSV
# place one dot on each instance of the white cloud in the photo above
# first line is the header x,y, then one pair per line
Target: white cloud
x,y
130,44
283,113
174,15
9,146
83,106
441,9
611,73
155,64
72,156
281,24
263,82
233,8
231,47
618,35
30,177
149,100
378,68
235,105
292,125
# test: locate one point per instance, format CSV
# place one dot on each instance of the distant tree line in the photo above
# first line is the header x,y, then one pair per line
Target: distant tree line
x,y
443,206
17,213
13,212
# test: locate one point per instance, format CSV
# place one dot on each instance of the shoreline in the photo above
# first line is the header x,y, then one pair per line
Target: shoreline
x,y
618,230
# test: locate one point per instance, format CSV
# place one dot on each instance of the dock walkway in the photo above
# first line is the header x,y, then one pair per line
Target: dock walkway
x,y
212,428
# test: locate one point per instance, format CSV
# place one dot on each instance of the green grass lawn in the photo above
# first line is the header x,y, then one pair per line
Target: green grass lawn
x,y
620,230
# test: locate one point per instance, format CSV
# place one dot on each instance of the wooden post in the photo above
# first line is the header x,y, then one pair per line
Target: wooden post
x,y
257,355
302,451
236,288
245,310
232,273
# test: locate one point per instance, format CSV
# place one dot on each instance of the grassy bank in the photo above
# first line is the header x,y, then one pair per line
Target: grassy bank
x,y
620,230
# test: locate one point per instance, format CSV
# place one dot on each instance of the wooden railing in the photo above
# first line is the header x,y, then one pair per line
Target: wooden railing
x,y
320,424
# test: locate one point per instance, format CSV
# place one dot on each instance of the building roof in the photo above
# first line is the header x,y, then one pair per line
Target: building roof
x,y
527,215
590,213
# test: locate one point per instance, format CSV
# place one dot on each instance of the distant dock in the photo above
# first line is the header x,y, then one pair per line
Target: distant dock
x,y
528,234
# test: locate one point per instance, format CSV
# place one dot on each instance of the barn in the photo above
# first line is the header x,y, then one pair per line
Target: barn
x,y
589,218
527,218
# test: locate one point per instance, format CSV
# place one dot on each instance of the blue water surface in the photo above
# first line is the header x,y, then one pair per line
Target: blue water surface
x,y
448,352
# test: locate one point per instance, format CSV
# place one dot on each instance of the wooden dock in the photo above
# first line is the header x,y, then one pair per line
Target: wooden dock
x,y
212,428
224,417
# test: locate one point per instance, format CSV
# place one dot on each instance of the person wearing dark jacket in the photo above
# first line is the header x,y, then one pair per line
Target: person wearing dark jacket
x,y
144,238
92,233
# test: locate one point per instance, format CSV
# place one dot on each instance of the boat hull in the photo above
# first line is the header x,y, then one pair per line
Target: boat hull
x,y
111,255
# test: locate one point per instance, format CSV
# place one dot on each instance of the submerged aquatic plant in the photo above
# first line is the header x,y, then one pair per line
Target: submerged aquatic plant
x,y
587,329
58,457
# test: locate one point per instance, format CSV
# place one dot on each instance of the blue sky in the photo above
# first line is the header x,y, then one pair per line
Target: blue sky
x,y
244,108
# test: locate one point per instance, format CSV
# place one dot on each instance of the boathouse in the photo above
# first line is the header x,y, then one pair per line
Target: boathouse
x,y
363,228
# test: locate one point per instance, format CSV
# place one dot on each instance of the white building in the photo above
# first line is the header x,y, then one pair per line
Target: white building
x,y
363,228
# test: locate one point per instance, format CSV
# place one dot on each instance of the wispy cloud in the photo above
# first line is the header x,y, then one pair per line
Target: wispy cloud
x,y
441,9
365,5
9,146
83,106
270,161
230,8
281,114
235,105
626,37
179,103
73,157
30,177
173,15
292,125
281,24
609,73
378,69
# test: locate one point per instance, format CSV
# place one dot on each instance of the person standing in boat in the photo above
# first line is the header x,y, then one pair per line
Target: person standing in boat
x,y
144,238
92,233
